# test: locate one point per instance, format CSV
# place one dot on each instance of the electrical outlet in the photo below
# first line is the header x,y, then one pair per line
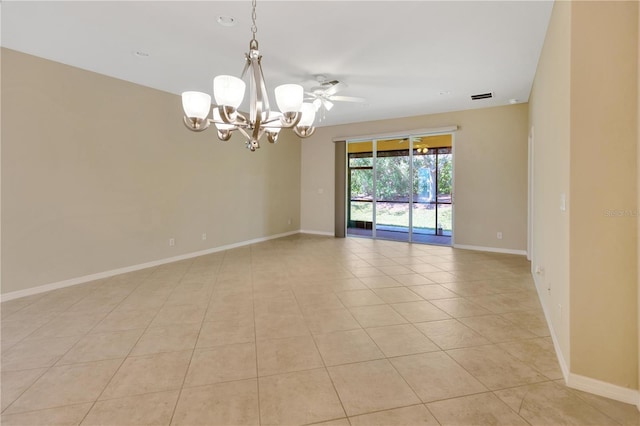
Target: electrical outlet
x,y
172,242
204,236
499,235
289,221
559,311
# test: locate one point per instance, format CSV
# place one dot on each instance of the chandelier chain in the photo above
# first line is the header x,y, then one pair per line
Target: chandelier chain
x,y
254,26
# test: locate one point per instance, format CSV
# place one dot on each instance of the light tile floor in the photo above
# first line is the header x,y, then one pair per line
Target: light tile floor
x,y
298,330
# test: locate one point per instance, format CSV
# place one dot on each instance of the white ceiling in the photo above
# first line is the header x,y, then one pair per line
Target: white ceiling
x,y
399,55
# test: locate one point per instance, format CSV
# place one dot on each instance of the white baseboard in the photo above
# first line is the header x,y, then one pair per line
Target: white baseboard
x,y
608,390
106,274
564,367
328,234
587,384
490,249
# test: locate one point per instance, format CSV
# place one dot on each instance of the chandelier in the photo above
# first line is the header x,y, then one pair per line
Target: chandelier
x,y
229,93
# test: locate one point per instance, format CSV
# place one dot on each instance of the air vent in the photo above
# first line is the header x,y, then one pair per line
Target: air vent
x,y
487,95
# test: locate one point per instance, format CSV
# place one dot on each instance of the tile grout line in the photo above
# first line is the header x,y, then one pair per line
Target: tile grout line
x,y
489,390
577,395
393,366
385,357
443,351
47,369
420,404
150,277
255,339
326,369
195,343
370,252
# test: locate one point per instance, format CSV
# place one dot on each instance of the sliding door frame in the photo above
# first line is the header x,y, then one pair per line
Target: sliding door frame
x,y
450,130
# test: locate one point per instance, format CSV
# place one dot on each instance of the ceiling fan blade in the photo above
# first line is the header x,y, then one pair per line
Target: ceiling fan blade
x,y
310,94
346,99
335,88
327,104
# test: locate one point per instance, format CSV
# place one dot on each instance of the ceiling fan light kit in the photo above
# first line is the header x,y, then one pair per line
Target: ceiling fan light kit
x,y
229,92
323,97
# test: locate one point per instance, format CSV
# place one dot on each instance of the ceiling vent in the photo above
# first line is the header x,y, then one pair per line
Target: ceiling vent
x,y
487,95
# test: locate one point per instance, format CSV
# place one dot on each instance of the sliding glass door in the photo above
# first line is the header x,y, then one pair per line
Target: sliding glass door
x,y
393,188
360,188
401,189
432,198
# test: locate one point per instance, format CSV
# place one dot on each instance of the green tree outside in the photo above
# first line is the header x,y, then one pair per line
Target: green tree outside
x,y
392,176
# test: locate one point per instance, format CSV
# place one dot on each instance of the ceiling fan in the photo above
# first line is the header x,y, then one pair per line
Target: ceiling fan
x,y
324,95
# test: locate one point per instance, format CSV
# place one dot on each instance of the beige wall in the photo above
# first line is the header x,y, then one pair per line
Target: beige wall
x,y
490,172
549,112
604,342
584,112
98,174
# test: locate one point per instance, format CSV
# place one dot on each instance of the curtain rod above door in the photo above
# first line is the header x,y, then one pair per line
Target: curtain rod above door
x,y
409,133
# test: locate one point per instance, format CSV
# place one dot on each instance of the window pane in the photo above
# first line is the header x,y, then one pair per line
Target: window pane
x,y
424,178
361,182
393,183
444,219
361,161
360,211
444,178
424,218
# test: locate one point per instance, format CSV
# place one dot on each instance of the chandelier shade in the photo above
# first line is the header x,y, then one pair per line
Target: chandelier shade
x,y
308,115
289,97
196,104
229,91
